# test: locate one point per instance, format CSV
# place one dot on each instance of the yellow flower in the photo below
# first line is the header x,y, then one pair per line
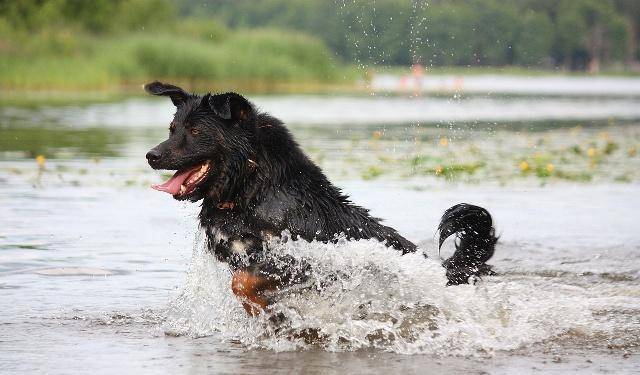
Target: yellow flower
x,y
439,170
524,166
40,160
444,142
632,151
591,152
377,134
550,168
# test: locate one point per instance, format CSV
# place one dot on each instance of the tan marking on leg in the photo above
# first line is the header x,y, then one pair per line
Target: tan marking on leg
x,y
249,288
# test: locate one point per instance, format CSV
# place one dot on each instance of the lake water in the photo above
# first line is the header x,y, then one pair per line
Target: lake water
x,y
101,274
558,85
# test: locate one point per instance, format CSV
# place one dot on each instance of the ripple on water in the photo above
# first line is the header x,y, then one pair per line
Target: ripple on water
x,y
73,271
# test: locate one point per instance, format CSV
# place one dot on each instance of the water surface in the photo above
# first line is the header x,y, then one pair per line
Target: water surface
x,y
100,273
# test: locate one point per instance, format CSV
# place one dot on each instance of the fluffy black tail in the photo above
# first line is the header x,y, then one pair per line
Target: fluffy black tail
x,y
473,228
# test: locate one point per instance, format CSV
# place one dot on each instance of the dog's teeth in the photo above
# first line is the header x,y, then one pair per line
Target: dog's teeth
x,y
195,177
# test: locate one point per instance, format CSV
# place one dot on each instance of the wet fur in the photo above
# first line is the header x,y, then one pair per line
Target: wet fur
x,y
262,184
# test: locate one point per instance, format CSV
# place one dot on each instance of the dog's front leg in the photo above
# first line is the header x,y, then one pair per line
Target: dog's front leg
x,y
254,285
250,287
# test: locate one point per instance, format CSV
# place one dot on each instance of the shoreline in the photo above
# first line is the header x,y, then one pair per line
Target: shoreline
x,y
436,82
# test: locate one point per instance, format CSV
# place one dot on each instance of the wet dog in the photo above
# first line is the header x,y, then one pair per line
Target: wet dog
x,y
255,182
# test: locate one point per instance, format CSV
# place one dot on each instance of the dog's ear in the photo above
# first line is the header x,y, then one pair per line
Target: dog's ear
x,y
231,106
178,96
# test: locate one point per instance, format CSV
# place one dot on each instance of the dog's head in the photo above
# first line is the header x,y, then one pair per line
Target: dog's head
x,y
209,144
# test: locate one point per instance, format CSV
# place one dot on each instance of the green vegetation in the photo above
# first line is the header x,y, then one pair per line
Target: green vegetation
x,y
578,154
568,34
69,44
371,172
435,165
28,142
302,44
581,153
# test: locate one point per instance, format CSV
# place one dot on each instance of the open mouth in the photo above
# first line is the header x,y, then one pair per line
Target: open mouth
x,y
185,181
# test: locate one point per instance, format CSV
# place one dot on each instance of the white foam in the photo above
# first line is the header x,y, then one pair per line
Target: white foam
x,y
372,297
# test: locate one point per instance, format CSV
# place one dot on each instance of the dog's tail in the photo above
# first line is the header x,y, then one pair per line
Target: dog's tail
x,y
473,227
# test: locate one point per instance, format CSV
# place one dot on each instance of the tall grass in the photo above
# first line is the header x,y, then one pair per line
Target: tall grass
x,y
194,52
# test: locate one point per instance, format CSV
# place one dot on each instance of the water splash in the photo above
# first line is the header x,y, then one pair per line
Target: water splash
x,y
365,296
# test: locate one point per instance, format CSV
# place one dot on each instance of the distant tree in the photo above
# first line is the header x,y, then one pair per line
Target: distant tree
x,y
22,15
630,10
447,35
494,31
576,34
533,39
590,32
145,15
95,16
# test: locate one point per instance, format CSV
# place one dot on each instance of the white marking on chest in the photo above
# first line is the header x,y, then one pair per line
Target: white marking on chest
x,y
217,235
239,247
236,246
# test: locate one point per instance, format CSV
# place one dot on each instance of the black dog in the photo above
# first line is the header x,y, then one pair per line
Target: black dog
x,y
255,182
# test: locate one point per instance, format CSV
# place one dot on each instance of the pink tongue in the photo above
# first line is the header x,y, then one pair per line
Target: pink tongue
x,y
172,186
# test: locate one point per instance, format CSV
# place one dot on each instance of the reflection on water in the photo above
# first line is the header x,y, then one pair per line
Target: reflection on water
x,y
350,111
90,256
28,142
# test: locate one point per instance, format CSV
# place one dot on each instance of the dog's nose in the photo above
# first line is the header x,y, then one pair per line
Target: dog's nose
x,y
153,155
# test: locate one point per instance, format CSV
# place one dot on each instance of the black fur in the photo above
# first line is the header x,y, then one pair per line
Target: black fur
x,y
262,183
473,226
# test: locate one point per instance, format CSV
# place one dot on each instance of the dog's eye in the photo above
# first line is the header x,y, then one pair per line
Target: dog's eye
x,y
194,131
